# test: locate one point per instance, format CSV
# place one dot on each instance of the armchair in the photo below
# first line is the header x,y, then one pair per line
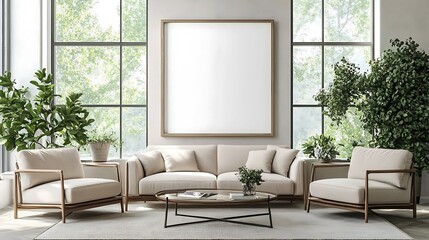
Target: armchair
x,y
377,179
54,178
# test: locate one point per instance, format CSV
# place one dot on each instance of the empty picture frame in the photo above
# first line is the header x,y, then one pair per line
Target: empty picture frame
x,y
217,77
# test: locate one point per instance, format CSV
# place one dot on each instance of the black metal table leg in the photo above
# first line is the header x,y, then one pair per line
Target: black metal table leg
x,y
269,212
225,219
166,212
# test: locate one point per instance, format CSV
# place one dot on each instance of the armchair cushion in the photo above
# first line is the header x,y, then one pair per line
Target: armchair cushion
x,y
152,162
353,191
66,159
381,159
77,190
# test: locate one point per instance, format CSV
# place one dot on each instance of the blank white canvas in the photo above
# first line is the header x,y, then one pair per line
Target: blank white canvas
x,y
218,78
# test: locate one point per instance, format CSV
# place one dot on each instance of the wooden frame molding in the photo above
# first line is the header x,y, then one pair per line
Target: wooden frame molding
x,y
253,108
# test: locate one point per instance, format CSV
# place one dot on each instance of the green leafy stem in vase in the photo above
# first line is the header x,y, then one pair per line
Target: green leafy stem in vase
x,y
249,176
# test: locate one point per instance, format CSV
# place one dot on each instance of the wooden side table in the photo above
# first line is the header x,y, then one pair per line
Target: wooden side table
x,y
322,173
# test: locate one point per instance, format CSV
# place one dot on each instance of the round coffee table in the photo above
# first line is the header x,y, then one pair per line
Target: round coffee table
x,y
215,197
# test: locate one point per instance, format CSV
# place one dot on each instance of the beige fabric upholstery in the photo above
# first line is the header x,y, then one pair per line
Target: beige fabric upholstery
x,y
381,159
261,159
231,157
296,174
135,173
66,159
152,162
274,183
180,161
282,160
176,180
206,155
76,191
353,191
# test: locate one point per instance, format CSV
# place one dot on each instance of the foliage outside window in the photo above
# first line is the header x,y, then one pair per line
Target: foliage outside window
x,y
325,31
99,49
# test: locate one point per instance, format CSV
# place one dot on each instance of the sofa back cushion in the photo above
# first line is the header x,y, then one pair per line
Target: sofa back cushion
x,y
152,162
261,159
205,155
180,161
283,159
66,159
381,159
231,157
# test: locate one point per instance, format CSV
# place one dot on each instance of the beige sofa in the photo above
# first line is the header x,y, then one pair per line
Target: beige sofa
x,y
217,166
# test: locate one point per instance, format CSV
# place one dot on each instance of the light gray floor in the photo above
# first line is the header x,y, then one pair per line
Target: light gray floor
x,y
32,223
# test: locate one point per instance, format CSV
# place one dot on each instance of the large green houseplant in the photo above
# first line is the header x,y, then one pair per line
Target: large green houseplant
x,y
38,123
393,98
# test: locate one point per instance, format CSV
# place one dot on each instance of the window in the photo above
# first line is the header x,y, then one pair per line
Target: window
x,y
99,49
324,31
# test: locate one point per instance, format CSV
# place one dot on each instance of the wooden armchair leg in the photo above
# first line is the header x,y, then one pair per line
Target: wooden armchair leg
x,y
126,204
366,215
63,215
122,205
15,211
308,205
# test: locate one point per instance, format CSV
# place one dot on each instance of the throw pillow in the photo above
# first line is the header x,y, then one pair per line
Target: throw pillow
x,y
152,162
283,159
260,159
180,161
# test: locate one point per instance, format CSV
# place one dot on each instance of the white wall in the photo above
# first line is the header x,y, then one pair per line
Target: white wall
x,y
279,10
403,19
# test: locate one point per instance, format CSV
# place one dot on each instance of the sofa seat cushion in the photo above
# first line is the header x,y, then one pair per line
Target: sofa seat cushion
x,y
176,180
274,183
353,191
77,190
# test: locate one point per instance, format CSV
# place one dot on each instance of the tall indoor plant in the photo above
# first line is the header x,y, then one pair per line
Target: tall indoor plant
x,y
393,98
38,123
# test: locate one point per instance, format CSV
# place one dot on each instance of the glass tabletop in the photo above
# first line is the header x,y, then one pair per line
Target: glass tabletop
x,y
212,196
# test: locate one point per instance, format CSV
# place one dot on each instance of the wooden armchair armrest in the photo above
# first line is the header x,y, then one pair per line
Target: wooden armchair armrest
x,y
17,182
113,164
412,171
391,171
315,167
38,171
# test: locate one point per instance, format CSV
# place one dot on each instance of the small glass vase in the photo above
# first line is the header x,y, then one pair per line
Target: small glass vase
x,y
249,189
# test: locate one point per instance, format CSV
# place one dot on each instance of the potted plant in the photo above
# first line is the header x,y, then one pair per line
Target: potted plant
x,y
393,98
321,147
249,178
38,123
99,144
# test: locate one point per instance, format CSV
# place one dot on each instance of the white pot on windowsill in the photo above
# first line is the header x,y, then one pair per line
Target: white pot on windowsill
x,y
99,151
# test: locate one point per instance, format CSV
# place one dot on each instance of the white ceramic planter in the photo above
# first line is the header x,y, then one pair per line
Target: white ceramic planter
x,y
99,151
